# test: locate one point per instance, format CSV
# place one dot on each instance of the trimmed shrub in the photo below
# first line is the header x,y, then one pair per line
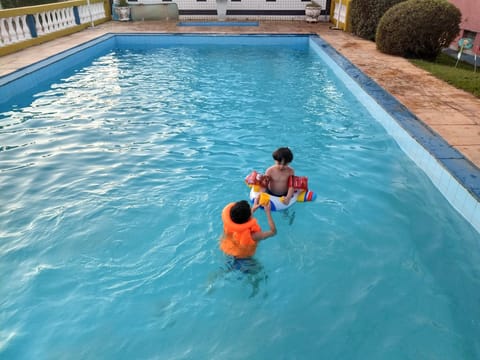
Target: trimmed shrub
x,y
10,4
418,28
366,14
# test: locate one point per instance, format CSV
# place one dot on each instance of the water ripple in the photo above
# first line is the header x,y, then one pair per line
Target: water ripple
x,y
113,180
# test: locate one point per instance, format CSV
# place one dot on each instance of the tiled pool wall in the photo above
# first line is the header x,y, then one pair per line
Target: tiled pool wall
x,y
141,41
18,82
456,178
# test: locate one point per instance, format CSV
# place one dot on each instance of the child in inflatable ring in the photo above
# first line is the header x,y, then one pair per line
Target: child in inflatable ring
x,y
241,232
280,175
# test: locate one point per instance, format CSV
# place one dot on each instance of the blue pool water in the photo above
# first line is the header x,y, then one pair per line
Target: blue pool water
x,y
218,23
113,176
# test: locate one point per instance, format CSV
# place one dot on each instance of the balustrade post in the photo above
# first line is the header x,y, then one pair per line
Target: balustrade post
x,y
5,38
76,15
31,25
11,31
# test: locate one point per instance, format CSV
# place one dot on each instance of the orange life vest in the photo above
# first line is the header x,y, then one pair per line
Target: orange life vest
x,y
237,239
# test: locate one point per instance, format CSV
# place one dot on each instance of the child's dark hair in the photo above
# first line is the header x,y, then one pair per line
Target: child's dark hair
x,y
283,155
240,212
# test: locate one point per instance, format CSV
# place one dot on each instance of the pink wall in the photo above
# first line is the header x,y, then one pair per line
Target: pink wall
x,y
470,19
470,13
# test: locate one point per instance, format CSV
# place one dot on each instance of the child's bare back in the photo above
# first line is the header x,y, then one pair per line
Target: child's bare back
x,y
280,173
278,176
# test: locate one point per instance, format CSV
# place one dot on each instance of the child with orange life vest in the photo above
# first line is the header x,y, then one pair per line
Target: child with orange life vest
x,y
241,232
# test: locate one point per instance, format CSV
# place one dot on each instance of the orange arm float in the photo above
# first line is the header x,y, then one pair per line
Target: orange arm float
x,y
298,182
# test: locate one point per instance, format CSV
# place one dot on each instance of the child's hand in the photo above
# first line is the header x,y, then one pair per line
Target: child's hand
x,y
267,207
285,200
256,205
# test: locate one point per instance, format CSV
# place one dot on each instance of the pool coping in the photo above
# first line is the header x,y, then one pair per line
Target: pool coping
x,y
31,68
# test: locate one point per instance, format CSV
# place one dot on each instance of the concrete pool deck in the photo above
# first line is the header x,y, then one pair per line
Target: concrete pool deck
x,y
451,113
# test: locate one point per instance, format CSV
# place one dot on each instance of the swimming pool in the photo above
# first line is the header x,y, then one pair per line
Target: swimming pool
x,y
114,174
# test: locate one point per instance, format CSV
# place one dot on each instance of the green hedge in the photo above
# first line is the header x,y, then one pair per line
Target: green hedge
x,y
10,4
366,14
418,28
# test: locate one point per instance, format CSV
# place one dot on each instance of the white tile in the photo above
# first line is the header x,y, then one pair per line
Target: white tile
x,y
460,199
475,218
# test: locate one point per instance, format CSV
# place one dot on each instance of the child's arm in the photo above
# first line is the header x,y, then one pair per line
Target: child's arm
x,y
290,192
262,235
289,196
256,204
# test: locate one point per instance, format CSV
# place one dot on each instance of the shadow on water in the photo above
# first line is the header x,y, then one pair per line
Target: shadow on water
x,y
249,271
289,215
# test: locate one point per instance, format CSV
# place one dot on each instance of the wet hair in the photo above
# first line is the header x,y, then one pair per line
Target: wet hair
x,y
240,213
283,155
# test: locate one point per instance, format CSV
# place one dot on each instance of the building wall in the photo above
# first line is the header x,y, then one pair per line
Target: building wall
x,y
470,25
242,9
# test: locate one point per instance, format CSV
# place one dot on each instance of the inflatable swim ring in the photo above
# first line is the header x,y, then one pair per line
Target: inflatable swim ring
x,y
301,194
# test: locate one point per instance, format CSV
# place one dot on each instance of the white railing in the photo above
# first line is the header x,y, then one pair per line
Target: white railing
x,y
30,23
340,13
14,29
91,12
50,21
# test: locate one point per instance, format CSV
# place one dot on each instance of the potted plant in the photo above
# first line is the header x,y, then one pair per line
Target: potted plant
x,y
312,12
123,10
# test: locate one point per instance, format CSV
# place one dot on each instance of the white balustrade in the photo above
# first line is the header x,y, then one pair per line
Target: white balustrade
x,y
91,12
23,30
56,19
65,18
13,30
41,24
4,39
340,12
51,16
50,21
84,14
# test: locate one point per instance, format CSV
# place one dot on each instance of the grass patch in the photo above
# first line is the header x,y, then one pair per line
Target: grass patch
x,y
461,77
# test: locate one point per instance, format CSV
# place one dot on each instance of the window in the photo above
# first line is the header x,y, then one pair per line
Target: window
x,y
469,34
